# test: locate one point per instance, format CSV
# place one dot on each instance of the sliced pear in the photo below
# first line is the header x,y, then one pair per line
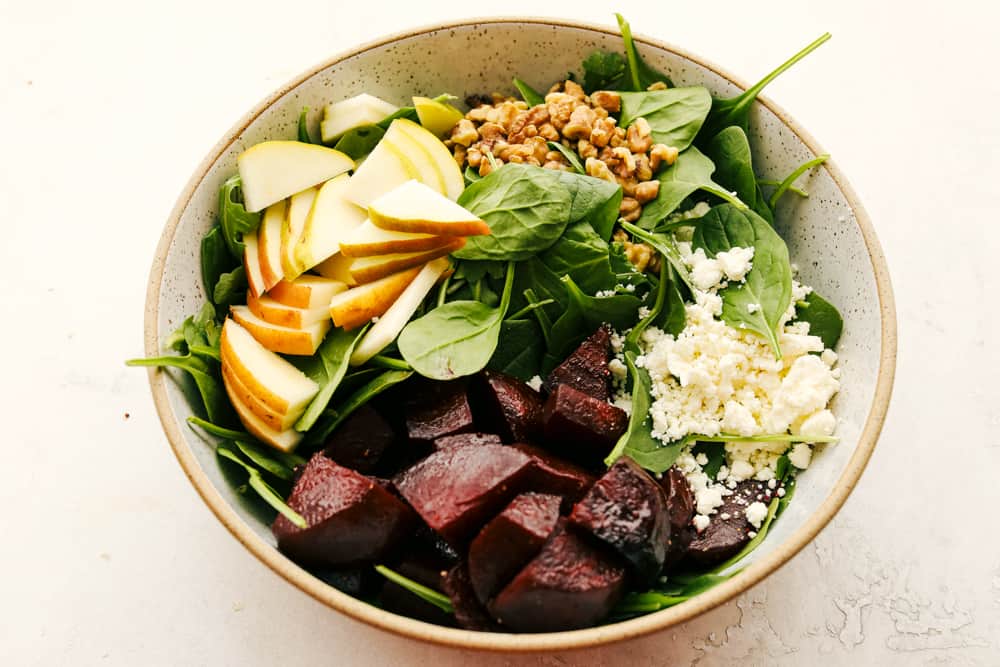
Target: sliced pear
x,y
284,340
438,118
454,183
413,207
275,170
383,169
359,305
277,384
363,109
277,313
274,419
417,156
389,325
368,240
367,269
337,267
331,219
299,207
251,264
306,291
269,243
286,440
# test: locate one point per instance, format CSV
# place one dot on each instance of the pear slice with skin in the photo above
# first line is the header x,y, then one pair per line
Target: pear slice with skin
x,y
423,162
269,243
273,312
337,267
331,219
359,305
367,269
382,170
341,117
438,118
415,208
306,291
395,318
274,419
274,170
284,340
251,264
299,207
368,240
454,182
286,440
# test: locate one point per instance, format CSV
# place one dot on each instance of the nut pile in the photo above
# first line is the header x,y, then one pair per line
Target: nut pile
x,y
512,131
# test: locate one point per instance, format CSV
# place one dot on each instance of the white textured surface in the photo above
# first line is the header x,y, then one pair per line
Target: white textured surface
x,y
108,555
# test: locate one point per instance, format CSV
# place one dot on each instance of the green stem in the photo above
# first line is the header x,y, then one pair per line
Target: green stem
x,y
792,177
430,595
630,53
543,319
443,292
748,97
773,183
220,431
382,361
530,307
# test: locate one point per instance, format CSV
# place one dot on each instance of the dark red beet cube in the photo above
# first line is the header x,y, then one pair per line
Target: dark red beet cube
x,y
581,426
570,584
586,369
681,508
553,475
458,489
443,410
728,530
469,612
462,439
507,406
361,440
510,540
351,519
626,509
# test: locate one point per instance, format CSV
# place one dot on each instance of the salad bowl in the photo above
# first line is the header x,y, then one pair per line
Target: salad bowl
x,y
829,236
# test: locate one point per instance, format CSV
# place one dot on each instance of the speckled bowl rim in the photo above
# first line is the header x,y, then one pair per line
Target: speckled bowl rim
x,y
560,641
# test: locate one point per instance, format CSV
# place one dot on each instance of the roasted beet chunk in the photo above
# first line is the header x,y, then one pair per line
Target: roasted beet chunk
x,y
626,509
462,439
570,584
425,569
444,410
581,426
507,406
469,612
351,519
681,508
586,369
510,540
457,489
361,440
553,475
728,530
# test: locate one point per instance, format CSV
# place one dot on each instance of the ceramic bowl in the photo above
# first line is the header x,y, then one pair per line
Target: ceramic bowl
x,y
829,236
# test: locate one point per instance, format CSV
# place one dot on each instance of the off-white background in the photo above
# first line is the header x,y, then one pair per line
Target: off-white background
x,y
107,555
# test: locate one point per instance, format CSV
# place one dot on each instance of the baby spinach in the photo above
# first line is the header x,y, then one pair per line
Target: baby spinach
x,y
666,246
571,157
455,339
638,74
519,350
280,464
230,289
198,334
327,368
303,128
730,151
691,172
715,452
233,216
678,589
602,70
584,256
336,416
206,379
585,313
823,318
219,431
534,276
426,594
736,110
215,259
471,175
263,489
767,288
792,177
674,115
672,317
360,141
528,94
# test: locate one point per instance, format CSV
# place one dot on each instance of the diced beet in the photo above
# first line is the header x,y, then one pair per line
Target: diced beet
x,y
361,440
462,439
581,426
351,519
469,613
627,510
507,406
427,541
681,507
553,475
586,369
570,584
728,531
457,489
426,569
444,410
510,540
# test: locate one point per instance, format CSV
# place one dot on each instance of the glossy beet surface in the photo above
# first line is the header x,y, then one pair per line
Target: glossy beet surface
x,y
581,427
681,508
351,518
570,584
586,369
728,531
442,410
462,439
550,474
627,510
510,540
469,612
361,440
507,406
456,490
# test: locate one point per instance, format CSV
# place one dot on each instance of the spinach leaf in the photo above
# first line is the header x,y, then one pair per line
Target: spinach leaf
x,y
263,489
303,129
582,255
716,454
329,365
528,94
602,70
823,318
455,339
736,110
471,175
691,172
215,259
674,115
638,74
266,459
666,246
336,416
219,431
426,594
198,334
533,276
673,317
730,151
571,157
792,177
678,589
233,216
206,379
360,141
585,313
230,289
519,350
409,113
767,288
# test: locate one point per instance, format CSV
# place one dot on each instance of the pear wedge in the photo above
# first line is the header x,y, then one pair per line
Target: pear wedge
x,y
283,340
452,177
363,109
281,315
337,267
299,207
359,305
285,441
274,170
415,208
306,291
367,269
251,264
331,219
269,243
438,118
368,240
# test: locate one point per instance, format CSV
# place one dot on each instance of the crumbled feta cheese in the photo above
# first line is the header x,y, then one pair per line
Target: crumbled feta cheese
x,y
705,272
806,388
753,308
737,418
617,342
604,293
820,423
708,499
623,399
535,383
781,492
741,470
700,522
735,263
755,513
725,516
702,459
800,455
617,368
829,357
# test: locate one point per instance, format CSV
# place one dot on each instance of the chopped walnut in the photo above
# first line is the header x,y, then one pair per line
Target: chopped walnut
x,y
580,124
548,132
560,107
607,100
585,149
598,169
640,138
659,85
643,171
626,166
662,154
639,254
630,209
574,89
464,133
647,191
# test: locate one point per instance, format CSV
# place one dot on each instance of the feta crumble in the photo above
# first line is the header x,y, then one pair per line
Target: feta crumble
x,y
535,383
755,513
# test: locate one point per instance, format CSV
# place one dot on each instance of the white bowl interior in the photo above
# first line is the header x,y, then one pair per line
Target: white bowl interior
x,y
823,238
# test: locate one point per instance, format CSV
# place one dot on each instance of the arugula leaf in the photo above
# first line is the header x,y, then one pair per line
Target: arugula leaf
x,y
602,70
823,318
674,115
206,379
303,129
730,151
736,110
519,350
263,489
528,94
335,417
426,594
233,216
638,74
792,177
582,255
768,285
585,313
328,367
456,339
691,172
571,157
215,259
360,141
